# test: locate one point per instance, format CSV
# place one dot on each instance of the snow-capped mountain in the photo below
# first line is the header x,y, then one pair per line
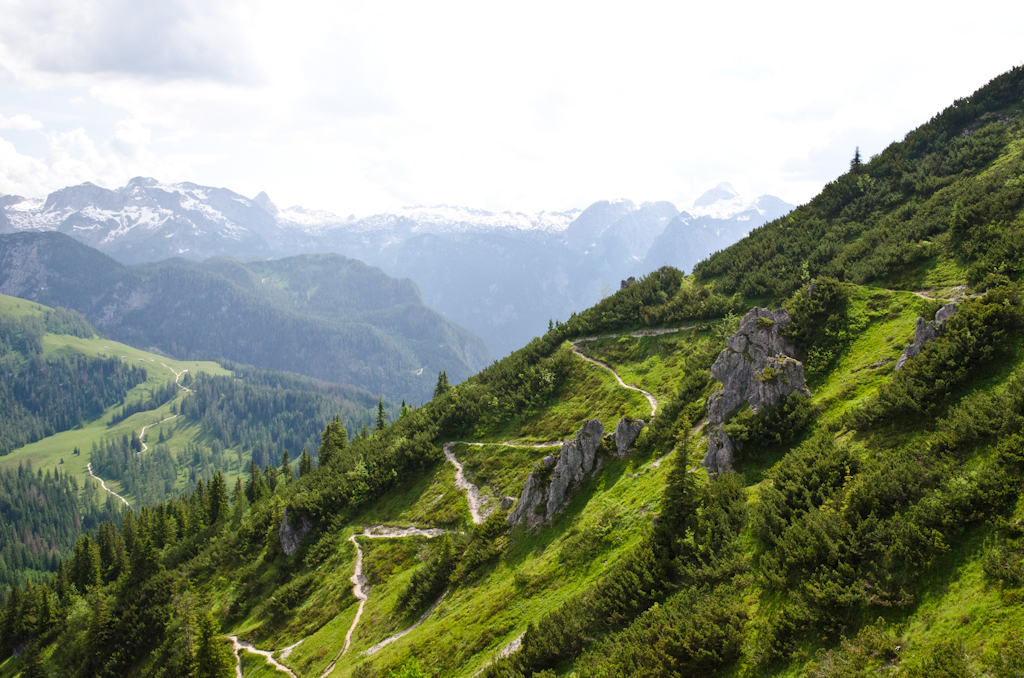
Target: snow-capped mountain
x,y
500,274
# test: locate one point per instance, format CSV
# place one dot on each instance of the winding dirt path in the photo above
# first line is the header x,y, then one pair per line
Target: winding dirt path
x,y
177,378
88,467
239,645
639,334
472,491
361,590
390,639
650,398
142,433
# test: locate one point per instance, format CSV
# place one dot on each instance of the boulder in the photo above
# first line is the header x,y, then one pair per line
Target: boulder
x,y
628,282
507,502
757,367
926,332
626,432
291,536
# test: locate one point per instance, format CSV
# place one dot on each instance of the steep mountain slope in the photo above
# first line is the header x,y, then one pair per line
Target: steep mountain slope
x,y
354,325
868,525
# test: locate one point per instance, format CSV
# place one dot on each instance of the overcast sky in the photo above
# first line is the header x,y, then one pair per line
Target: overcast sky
x,y
361,107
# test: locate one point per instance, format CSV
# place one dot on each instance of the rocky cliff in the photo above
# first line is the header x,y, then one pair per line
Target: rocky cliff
x,y
926,332
550,484
290,535
757,367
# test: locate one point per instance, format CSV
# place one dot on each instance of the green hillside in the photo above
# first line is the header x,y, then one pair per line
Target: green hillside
x,y
324,316
872,527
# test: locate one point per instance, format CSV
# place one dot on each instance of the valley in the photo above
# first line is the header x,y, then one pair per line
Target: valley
x,y
804,458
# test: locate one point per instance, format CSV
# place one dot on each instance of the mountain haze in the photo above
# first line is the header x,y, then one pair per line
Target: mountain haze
x,y
502,275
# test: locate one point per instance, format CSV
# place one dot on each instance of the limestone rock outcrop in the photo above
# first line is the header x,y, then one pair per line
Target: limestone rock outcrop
x,y
290,535
626,432
757,367
926,332
547,488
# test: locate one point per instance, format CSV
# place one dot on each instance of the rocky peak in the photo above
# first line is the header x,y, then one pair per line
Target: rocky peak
x,y
757,367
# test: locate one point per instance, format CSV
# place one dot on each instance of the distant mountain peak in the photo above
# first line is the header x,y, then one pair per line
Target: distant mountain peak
x,y
264,202
722,192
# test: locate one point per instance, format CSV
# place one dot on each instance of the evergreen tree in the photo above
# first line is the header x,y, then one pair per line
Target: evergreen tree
x,y
305,464
382,422
442,384
33,666
333,440
855,163
218,498
213,659
405,410
286,468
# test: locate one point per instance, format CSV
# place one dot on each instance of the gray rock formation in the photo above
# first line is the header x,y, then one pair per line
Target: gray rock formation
x,y
626,432
547,488
628,282
290,535
507,502
925,332
757,368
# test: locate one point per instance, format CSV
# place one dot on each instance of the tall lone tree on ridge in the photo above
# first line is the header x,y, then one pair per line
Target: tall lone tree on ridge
x,y
856,163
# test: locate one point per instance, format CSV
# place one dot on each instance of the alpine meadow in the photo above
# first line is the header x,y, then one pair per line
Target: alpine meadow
x,y
805,458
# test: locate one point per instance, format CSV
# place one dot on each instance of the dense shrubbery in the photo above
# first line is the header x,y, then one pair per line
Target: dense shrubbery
x,y
919,198
976,334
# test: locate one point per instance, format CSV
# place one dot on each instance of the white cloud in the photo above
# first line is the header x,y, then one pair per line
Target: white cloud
x,y
357,107
20,121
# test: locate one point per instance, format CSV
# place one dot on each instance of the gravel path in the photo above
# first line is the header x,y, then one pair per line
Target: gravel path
x,y
88,467
650,398
239,645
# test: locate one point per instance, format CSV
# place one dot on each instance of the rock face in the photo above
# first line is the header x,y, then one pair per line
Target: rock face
x,y
925,332
547,488
291,536
757,368
628,282
626,432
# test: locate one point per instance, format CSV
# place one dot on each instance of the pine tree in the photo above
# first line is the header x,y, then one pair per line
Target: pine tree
x,y
382,422
286,468
333,440
33,666
213,658
218,499
855,163
405,410
305,464
442,384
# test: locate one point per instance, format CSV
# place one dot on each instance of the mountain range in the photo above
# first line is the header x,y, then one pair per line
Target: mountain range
x,y
324,316
502,275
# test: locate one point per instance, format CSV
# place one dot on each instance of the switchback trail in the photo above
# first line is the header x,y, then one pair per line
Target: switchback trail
x,y
361,591
472,491
650,398
639,334
238,645
88,467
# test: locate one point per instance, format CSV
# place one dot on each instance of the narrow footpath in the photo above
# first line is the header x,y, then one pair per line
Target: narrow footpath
x,y
650,398
142,433
239,645
88,467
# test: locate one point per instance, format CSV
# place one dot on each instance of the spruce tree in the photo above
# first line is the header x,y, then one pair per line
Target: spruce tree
x,y
855,163
333,440
305,464
286,468
382,422
442,384
213,658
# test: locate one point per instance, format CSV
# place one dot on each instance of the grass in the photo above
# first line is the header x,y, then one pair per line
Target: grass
x,y
499,470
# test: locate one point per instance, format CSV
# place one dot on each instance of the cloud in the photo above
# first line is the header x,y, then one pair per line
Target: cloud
x,y
170,39
21,122
73,157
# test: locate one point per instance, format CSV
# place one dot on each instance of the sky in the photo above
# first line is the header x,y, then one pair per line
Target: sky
x,y
359,108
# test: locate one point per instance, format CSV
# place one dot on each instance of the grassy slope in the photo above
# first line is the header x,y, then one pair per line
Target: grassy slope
x,y
48,452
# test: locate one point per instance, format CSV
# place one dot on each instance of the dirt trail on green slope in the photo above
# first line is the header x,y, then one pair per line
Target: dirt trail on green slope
x,y
142,433
177,378
88,467
639,334
650,398
361,590
239,645
472,491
